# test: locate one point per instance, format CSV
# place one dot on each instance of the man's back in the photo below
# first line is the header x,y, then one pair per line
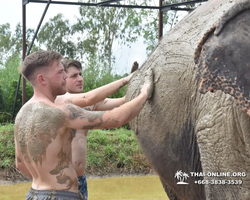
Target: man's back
x,y
45,146
43,130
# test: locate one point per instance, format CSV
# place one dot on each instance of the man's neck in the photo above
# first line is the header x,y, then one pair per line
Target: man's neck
x,y
71,92
44,95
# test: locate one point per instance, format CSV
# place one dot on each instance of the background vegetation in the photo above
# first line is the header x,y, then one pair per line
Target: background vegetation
x,y
90,40
109,151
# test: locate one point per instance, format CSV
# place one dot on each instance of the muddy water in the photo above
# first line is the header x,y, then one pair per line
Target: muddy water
x,y
115,188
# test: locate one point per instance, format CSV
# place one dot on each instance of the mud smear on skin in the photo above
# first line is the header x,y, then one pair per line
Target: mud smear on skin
x,y
38,125
62,178
45,123
77,112
22,130
62,164
73,134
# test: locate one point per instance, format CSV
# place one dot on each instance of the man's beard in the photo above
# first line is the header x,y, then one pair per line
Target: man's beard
x,y
59,90
76,91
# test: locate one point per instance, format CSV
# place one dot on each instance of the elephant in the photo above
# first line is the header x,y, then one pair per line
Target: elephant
x,y
197,121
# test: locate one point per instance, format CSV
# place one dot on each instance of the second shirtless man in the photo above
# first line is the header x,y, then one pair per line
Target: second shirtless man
x,y
74,85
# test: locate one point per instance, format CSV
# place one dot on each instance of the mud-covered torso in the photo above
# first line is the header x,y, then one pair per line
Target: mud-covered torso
x,y
45,146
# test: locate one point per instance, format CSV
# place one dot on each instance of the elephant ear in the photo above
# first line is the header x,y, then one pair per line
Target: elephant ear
x,y
223,55
239,7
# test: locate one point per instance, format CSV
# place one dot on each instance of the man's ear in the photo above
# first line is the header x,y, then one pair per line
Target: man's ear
x,y
40,79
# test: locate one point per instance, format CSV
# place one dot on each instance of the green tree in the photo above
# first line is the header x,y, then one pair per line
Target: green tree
x,y
56,35
151,22
5,41
8,81
95,77
11,42
91,40
100,27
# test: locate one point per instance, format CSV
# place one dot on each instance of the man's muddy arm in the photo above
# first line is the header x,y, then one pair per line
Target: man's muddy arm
x,y
109,104
78,118
94,96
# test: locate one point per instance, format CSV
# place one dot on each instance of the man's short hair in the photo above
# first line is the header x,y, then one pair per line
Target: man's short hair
x,y
38,60
71,63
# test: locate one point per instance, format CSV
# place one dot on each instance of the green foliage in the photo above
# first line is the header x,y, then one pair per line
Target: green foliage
x,y
8,128
5,41
150,28
107,149
100,138
100,27
123,159
11,42
1,98
8,77
7,146
90,40
94,76
8,80
11,46
56,35
113,149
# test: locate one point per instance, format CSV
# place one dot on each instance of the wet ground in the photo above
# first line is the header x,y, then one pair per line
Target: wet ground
x,y
114,188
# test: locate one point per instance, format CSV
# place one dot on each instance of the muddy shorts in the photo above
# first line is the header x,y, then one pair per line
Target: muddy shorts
x,y
52,195
82,186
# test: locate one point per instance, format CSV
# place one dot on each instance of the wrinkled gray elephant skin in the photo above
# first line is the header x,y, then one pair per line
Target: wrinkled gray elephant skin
x,y
182,130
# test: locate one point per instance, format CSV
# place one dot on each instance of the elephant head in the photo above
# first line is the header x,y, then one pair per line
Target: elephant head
x,y
182,130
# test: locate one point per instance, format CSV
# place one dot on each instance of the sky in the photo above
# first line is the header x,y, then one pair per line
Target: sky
x,y
11,12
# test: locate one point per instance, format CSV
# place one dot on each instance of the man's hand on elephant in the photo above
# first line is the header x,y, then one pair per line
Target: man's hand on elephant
x,y
128,77
148,86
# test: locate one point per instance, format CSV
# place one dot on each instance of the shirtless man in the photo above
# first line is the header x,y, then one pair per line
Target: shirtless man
x,y
44,130
74,84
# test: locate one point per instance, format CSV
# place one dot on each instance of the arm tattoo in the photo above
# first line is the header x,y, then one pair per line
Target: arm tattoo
x,y
68,101
105,101
87,108
75,112
81,113
92,126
